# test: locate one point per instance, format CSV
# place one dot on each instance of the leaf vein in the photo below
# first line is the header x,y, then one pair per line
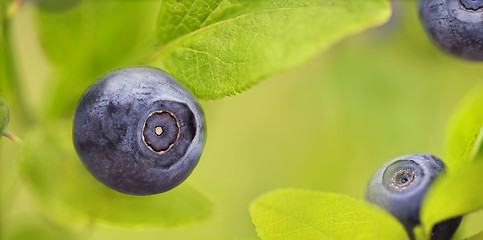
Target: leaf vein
x,y
186,15
180,38
212,11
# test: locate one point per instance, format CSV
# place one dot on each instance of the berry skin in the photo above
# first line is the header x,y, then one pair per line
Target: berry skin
x,y
139,131
399,187
444,230
456,26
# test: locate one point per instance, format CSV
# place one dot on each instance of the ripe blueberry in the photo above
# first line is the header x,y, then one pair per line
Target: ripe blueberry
x,y
139,131
456,26
399,187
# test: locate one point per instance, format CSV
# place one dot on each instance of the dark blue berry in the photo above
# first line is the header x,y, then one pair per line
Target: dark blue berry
x,y
456,26
138,131
445,229
399,187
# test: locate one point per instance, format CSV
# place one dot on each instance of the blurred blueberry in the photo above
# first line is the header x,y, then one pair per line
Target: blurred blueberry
x,y
456,26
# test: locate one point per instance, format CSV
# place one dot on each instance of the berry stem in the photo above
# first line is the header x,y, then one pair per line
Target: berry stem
x,y
12,137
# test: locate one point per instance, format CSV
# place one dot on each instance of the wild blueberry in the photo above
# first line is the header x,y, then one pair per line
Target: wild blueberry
x,y
139,131
456,26
445,229
399,187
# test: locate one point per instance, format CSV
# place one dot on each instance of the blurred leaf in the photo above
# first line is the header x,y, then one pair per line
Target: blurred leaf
x,y
219,48
31,227
5,63
478,236
10,88
91,38
4,116
457,194
418,232
303,214
465,133
234,238
56,5
65,189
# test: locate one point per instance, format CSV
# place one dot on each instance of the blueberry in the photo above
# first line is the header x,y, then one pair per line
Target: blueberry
x,y
445,229
399,187
456,26
139,131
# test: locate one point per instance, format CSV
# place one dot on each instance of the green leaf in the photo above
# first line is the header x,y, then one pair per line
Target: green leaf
x,y
4,116
302,214
453,195
90,39
234,238
56,5
219,48
419,234
478,236
465,134
33,227
65,189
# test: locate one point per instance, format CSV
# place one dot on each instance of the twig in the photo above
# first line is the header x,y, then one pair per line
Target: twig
x,y
12,137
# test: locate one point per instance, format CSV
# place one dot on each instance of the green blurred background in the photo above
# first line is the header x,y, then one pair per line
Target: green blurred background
x,y
325,125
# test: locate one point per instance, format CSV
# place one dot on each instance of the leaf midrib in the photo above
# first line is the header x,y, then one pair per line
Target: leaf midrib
x,y
182,37
476,144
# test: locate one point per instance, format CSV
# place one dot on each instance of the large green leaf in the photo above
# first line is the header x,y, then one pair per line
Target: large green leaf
x,y
302,214
459,191
465,134
66,191
91,38
453,195
219,48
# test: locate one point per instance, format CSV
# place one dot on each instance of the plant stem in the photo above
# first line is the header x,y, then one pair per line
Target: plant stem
x,y
12,137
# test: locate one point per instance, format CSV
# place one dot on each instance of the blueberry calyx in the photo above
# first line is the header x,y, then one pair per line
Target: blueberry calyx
x,y
161,131
472,5
402,174
403,178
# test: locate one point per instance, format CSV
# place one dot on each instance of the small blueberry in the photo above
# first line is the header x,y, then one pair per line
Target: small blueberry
x,y
399,187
